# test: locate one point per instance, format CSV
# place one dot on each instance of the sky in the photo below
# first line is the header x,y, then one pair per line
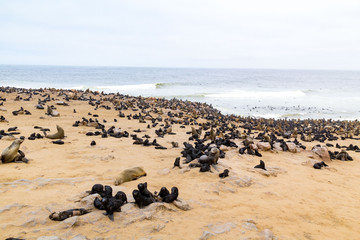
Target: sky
x,y
279,34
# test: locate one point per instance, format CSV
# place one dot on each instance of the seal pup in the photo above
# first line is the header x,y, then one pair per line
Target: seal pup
x,y
121,196
12,153
319,165
98,204
224,174
172,196
141,200
163,192
129,175
261,165
60,216
144,191
177,162
97,188
111,205
59,135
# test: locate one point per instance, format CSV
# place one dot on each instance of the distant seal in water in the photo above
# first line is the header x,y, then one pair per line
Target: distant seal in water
x,y
60,216
12,153
129,175
59,135
261,165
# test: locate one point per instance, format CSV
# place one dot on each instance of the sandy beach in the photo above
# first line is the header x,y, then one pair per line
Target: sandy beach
x,y
291,200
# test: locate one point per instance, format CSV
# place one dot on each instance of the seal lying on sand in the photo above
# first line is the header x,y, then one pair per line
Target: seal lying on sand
x,y
319,165
60,216
12,153
129,175
59,135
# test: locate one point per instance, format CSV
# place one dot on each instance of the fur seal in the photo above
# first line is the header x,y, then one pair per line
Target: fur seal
x,y
177,162
121,196
60,216
343,156
224,174
319,165
12,153
141,200
111,205
261,165
97,188
129,175
163,192
98,204
172,196
59,135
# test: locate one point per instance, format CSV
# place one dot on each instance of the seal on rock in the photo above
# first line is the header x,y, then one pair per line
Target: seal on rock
x,y
129,175
261,165
60,216
59,135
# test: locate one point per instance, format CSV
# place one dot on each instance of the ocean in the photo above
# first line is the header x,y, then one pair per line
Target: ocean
x,y
246,92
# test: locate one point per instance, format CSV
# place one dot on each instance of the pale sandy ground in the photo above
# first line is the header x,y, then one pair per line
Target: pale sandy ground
x,y
299,203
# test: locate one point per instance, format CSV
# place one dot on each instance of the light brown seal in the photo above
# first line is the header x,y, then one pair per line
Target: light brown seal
x,y
59,135
11,153
129,175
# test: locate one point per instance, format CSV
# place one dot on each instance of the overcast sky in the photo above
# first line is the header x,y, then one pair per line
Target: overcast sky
x,y
306,34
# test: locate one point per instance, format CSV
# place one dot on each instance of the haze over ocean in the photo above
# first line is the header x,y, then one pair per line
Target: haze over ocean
x,y
246,92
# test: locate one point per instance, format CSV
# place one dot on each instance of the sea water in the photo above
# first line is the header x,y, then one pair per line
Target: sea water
x,y
246,92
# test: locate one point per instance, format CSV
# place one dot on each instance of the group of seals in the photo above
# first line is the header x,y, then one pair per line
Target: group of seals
x,y
13,154
143,197
109,203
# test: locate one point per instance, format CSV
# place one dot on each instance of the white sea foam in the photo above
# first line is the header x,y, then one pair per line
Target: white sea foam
x,y
127,87
256,94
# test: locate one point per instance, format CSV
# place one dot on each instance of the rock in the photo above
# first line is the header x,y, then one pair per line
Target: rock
x,y
249,224
88,202
9,207
264,146
253,146
79,237
91,218
270,171
277,147
49,238
8,138
179,203
153,228
117,130
206,235
224,148
60,103
3,109
184,170
266,234
68,223
322,152
236,181
164,171
291,146
221,228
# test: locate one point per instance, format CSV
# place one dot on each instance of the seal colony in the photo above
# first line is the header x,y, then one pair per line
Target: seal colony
x,y
215,161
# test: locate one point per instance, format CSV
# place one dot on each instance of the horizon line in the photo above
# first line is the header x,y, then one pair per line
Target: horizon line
x,y
173,67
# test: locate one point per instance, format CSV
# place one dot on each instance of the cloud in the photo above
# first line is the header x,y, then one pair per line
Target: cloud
x,y
241,34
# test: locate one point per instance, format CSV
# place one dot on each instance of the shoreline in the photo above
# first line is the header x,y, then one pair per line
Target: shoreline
x,y
290,200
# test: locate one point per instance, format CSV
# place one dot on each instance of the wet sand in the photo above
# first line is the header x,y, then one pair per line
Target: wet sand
x,y
295,201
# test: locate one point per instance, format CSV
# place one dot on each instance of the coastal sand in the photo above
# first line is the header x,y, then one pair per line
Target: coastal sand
x,y
296,202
